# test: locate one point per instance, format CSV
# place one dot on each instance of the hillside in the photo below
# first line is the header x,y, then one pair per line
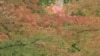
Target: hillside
x,y
39,28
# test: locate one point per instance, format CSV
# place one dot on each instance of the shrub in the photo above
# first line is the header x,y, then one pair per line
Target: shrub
x,y
67,1
98,13
44,3
78,13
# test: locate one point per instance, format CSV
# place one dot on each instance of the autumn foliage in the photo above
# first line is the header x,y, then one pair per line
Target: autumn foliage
x,y
30,19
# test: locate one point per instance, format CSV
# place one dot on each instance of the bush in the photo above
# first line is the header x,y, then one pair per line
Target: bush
x,y
44,3
98,13
78,13
67,1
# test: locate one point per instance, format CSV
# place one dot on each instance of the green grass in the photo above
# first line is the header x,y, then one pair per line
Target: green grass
x,y
37,45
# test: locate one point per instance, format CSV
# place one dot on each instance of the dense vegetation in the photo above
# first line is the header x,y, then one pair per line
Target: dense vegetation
x,y
26,29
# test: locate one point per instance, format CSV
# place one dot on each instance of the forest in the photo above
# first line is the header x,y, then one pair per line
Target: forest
x,y
49,27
